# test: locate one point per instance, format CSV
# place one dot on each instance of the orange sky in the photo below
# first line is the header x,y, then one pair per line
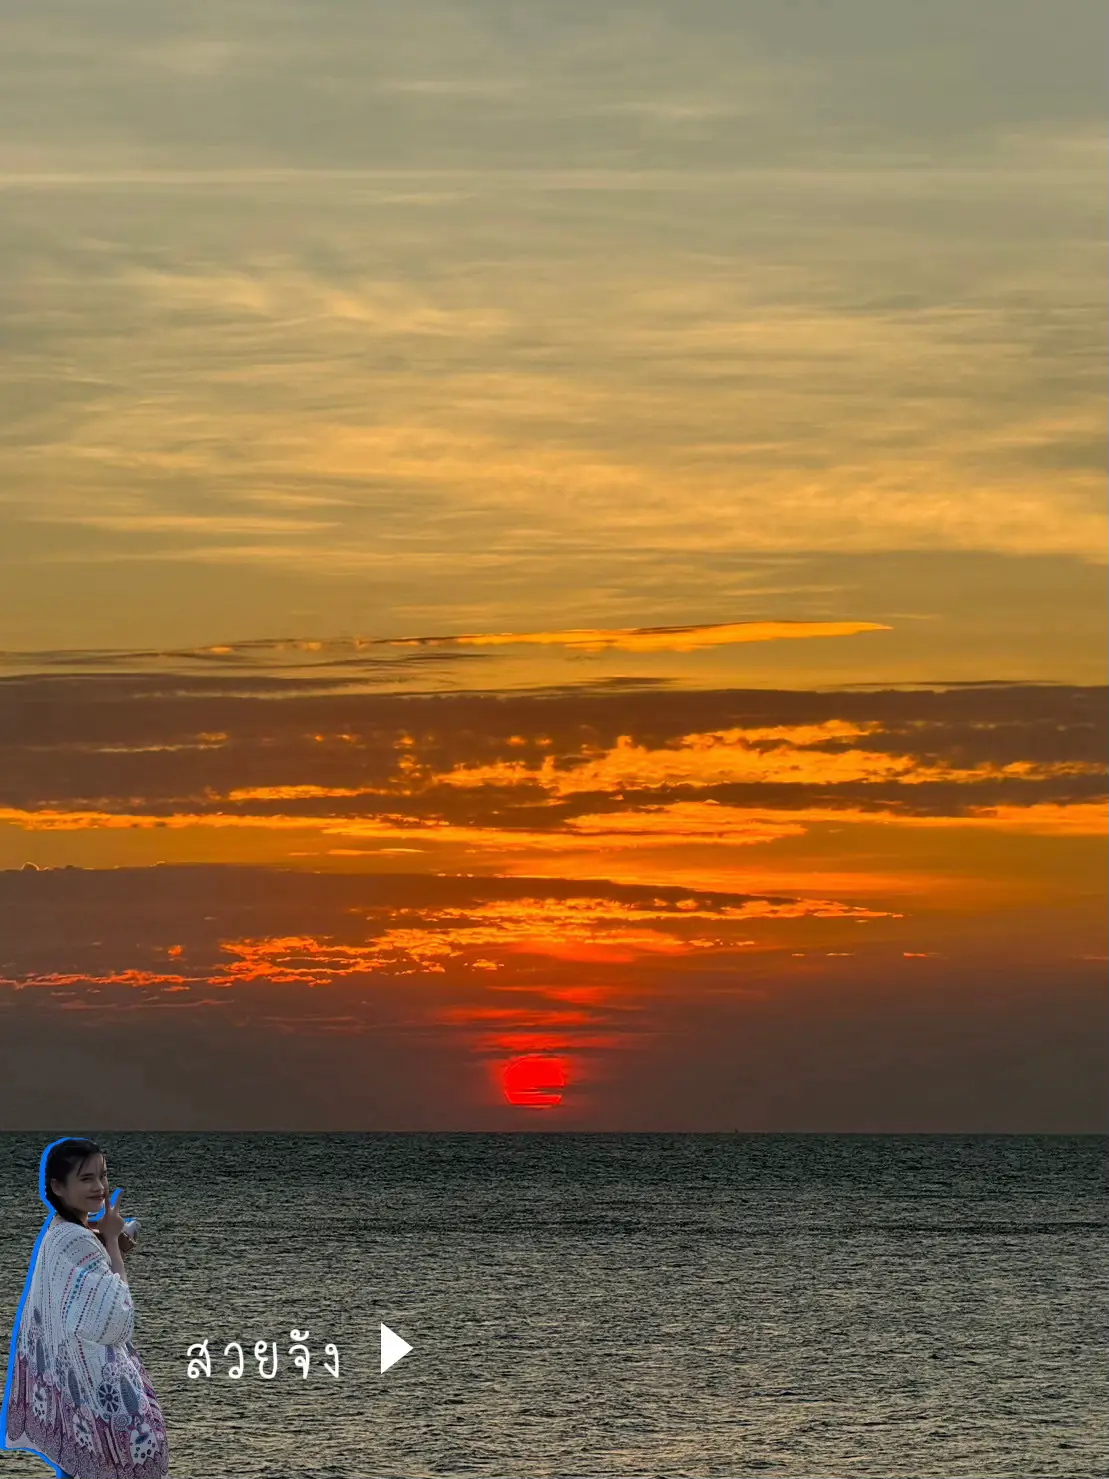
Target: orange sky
x,y
392,895
590,545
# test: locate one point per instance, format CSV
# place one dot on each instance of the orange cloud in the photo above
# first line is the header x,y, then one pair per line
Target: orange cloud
x,y
297,793
651,639
485,935
108,978
781,755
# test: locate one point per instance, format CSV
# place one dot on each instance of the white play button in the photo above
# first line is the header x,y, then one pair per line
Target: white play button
x,y
392,1348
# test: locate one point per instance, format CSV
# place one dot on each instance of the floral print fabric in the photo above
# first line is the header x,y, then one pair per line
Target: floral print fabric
x,y
80,1395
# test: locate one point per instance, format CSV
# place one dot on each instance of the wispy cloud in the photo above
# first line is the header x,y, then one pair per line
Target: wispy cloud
x,y
654,639
214,524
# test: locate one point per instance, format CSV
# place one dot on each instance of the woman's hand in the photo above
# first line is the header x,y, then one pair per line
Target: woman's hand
x,y
124,1243
110,1223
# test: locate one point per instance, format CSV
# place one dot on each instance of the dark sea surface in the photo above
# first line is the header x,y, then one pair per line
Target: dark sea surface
x,y
621,1304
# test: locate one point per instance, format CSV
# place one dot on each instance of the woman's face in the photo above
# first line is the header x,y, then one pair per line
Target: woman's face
x,y
85,1188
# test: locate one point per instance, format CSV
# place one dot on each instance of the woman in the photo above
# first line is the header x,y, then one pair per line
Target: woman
x,y
78,1394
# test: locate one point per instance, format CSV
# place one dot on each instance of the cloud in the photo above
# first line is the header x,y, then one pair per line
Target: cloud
x,y
272,750
336,653
321,931
656,639
507,421
216,524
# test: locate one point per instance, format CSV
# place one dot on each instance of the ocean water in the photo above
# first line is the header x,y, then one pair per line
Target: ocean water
x,y
617,1305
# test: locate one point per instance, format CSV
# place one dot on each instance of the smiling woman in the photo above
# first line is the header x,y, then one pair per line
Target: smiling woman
x,y
78,1393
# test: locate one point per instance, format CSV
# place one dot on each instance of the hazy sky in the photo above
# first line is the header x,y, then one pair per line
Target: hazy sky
x,y
584,528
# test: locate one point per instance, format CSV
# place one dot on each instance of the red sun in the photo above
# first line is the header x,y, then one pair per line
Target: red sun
x,y
534,1081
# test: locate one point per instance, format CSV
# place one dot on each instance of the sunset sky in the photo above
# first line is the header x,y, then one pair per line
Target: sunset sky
x,y
560,530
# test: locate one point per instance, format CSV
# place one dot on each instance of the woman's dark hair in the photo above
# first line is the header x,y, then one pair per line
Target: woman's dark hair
x,y
63,1158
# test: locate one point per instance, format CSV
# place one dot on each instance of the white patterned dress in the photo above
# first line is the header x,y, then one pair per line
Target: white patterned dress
x,y
79,1395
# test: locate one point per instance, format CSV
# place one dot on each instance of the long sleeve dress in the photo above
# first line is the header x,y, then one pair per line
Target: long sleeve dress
x,y
79,1395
